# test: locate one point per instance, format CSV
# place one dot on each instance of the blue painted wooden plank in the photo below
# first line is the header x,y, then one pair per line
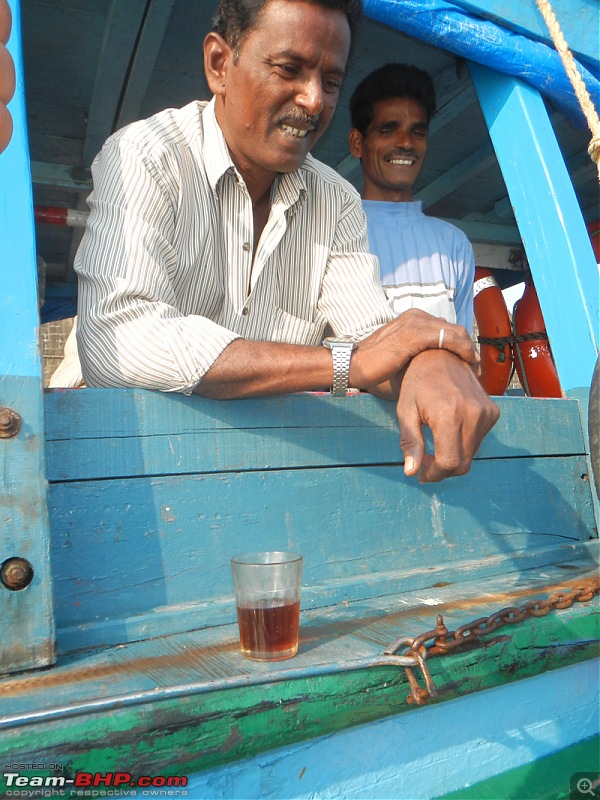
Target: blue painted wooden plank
x,y
26,618
425,754
126,548
553,231
106,433
63,176
536,563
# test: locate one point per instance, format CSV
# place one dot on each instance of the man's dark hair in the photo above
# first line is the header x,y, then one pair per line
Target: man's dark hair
x,y
235,18
389,81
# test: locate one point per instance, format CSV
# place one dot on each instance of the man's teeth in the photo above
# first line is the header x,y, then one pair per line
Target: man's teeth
x,y
299,133
402,161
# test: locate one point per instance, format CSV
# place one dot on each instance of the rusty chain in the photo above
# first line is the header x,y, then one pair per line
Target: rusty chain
x,y
440,641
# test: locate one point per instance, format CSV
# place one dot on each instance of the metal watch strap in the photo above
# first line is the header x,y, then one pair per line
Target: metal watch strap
x,y
341,354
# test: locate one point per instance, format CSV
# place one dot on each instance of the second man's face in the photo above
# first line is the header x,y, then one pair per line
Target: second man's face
x,y
278,97
392,149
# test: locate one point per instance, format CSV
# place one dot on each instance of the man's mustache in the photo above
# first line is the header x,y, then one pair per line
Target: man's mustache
x,y
298,116
400,153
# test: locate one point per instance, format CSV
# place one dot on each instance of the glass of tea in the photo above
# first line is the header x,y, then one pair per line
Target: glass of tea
x,y
267,594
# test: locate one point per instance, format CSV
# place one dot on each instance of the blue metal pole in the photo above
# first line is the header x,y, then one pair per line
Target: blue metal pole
x,y
556,241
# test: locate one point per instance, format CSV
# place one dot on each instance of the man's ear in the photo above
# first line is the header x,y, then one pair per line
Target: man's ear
x,y
355,140
217,58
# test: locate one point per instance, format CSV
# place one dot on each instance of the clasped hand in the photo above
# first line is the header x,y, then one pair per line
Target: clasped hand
x,y
433,387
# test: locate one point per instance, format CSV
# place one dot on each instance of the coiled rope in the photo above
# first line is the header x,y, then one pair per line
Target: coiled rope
x,y
581,92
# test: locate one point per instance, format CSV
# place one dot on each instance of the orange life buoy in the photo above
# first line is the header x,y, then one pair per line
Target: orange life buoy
x,y
493,323
533,357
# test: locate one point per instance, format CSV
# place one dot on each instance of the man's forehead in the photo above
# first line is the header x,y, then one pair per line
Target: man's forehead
x,y
278,30
395,110
273,9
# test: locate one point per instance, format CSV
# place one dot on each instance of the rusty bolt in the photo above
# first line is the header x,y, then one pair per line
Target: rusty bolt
x,y
10,423
16,573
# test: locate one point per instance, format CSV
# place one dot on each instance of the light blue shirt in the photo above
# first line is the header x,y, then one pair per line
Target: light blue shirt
x,y
425,262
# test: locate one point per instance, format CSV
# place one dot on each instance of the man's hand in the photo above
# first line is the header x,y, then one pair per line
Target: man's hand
x,y
440,390
389,349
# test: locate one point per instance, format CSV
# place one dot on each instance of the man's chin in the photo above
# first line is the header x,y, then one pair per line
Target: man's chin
x,y
290,163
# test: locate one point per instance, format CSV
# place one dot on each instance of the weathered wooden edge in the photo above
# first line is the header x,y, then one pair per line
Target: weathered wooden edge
x,y
194,733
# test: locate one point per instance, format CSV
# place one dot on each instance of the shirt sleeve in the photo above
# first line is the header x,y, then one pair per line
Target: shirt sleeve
x,y
352,297
463,300
130,331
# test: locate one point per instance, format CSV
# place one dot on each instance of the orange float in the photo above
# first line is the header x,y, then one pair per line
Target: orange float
x,y
495,332
7,76
533,356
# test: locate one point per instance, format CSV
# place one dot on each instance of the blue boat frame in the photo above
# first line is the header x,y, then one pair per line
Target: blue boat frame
x,y
566,278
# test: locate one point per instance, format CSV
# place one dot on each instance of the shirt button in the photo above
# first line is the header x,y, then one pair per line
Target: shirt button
x,y
245,311
246,246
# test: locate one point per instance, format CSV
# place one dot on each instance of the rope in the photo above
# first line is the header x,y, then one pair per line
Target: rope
x,y
583,96
501,341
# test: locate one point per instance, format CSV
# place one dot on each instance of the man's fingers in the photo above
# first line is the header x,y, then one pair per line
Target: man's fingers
x,y
455,445
439,390
456,340
412,443
437,467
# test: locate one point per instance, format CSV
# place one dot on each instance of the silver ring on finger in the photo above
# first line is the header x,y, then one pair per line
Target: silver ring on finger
x,y
441,339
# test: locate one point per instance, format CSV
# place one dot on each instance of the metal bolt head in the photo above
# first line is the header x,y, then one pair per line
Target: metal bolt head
x,y
10,423
16,573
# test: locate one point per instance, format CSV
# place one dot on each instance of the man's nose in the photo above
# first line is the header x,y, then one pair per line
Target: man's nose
x,y
403,139
310,96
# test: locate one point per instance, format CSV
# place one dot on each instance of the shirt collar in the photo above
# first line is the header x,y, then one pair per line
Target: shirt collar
x,y
405,208
289,187
217,159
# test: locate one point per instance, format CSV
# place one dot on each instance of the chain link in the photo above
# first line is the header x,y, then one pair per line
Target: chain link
x,y
442,641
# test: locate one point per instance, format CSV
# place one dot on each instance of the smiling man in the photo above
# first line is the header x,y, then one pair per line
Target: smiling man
x,y
425,262
218,251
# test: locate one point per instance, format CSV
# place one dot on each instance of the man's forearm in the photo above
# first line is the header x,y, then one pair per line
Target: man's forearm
x,y
260,369
248,368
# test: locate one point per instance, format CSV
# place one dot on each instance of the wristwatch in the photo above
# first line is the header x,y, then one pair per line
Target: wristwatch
x,y
341,351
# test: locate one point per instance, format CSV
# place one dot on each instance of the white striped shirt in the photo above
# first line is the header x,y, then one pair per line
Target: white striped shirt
x,y
167,277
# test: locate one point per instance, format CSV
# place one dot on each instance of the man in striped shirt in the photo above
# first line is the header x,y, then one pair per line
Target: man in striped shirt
x,y
218,251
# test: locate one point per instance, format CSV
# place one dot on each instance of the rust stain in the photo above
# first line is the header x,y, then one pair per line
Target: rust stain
x,y
192,657
400,619
506,598
189,658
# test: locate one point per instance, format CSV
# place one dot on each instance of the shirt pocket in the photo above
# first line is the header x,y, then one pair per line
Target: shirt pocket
x,y
294,330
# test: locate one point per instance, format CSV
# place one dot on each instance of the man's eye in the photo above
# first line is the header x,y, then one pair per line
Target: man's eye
x,y
288,70
331,85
